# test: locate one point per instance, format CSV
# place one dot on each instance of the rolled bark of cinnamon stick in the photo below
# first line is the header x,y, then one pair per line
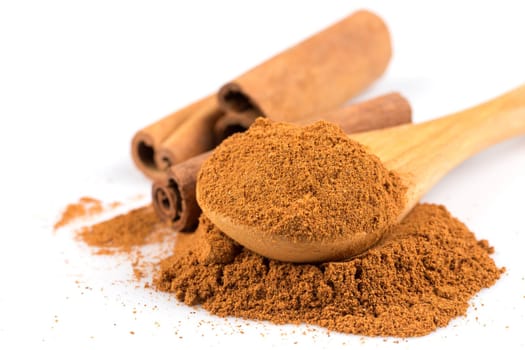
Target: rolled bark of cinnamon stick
x,y
174,196
231,122
381,112
147,141
317,75
193,137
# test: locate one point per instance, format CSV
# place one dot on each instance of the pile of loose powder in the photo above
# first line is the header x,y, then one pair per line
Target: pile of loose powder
x,y
85,207
315,182
416,279
303,183
128,233
123,232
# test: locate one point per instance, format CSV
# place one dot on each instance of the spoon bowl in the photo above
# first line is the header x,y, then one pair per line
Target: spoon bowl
x,y
282,248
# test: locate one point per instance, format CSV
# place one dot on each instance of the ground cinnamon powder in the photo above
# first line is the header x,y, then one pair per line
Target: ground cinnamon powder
x,y
305,183
310,182
128,233
123,232
85,207
416,279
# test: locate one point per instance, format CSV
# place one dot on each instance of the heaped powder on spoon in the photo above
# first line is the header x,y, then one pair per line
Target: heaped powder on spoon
x,y
303,183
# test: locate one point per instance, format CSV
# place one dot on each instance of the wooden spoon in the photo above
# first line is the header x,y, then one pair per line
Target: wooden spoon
x,y
420,153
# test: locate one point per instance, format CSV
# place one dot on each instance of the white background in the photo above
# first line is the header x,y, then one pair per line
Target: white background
x,y
77,79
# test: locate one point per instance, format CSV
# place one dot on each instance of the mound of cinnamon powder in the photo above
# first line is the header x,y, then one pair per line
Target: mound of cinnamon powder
x,y
300,182
85,207
417,278
123,232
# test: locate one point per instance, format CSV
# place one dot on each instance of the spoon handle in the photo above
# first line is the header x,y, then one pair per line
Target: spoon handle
x,y
423,153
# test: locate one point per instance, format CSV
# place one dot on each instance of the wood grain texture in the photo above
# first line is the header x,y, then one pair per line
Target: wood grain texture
x,y
423,153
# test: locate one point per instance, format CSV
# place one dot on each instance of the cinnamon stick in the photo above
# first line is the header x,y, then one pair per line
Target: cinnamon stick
x,y
380,112
317,75
174,196
147,141
192,138
231,122
386,106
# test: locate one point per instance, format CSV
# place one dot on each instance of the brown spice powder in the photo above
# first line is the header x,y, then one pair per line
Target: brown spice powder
x,y
85,207
308,182
123,232
128,233
416,279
